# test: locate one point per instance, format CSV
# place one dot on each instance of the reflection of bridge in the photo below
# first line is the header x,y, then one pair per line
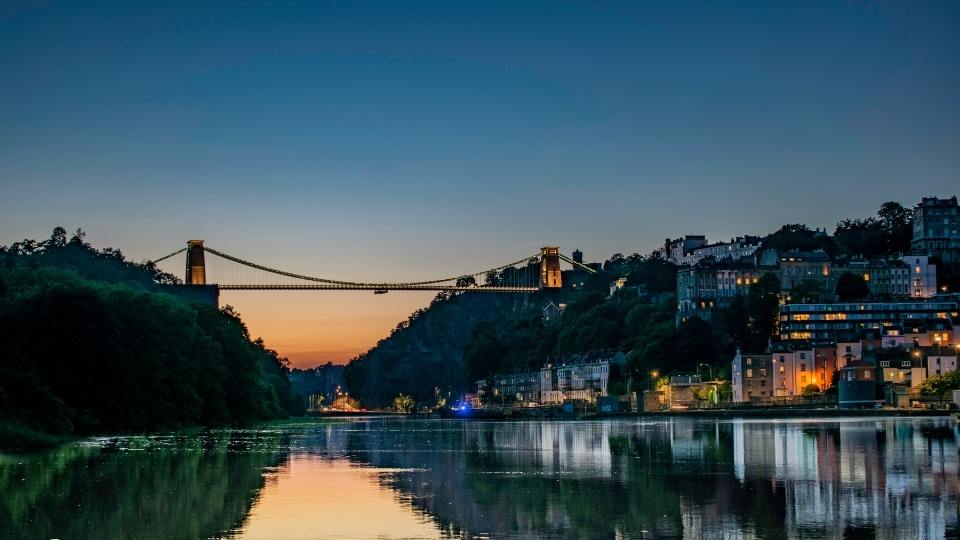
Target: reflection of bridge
x,y
529,274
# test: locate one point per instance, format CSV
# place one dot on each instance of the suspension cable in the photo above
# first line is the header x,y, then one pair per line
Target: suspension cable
x,y
355,283
177,252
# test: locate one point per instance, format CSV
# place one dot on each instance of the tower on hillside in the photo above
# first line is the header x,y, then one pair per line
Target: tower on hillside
x,y
578,256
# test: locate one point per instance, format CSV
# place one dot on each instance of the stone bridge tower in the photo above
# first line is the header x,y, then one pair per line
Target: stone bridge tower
x,y
196,268
550,275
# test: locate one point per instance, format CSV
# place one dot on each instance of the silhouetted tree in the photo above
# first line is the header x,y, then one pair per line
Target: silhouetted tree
x,y
852,287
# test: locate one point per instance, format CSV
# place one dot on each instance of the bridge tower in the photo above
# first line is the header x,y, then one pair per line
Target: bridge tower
x,y
550,275
196,269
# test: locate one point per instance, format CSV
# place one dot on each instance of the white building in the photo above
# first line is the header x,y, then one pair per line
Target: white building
x,y
935,365
923,276
582,377
690,250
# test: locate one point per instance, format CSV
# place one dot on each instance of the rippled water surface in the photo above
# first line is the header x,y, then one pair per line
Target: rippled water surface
x,y
394,478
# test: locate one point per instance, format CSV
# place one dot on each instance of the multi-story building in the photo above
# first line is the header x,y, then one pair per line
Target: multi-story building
x,y
708,285
580,377
922,276
696,292
690,250
677,250
883,277
827,321
797,267
936,227
798,365
751,376
513,387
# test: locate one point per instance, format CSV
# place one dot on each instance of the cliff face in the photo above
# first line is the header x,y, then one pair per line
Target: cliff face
x,y
428,353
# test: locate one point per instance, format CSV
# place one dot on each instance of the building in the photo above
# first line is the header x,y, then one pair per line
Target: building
x,y
922,276
691,250
579,377
617,284
893,366
711,284
510,388
825,322
677,250
797,365
883,277
932,365
686,390
857,388
797,267
936,228
552,312
751,376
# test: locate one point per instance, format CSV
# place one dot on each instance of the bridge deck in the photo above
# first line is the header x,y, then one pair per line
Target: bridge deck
x,y
393,287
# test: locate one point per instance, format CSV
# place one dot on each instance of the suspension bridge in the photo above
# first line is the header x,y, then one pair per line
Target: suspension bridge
x,y
206,266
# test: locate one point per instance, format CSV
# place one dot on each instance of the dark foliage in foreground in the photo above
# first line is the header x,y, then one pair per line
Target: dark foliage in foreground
x,y
79,356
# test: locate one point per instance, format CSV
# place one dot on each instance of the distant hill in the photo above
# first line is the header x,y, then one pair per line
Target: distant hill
x,y
426,352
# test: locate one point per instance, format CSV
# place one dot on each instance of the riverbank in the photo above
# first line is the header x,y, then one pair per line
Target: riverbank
x,y
788,413
768,413
16,437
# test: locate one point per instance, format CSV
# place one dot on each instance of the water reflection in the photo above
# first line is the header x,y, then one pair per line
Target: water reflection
x,y
859,478
183,486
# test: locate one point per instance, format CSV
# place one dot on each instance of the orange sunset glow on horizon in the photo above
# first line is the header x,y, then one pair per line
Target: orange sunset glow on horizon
x,y
315,327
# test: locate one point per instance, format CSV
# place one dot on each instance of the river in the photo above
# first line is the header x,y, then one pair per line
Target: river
x,y
400,478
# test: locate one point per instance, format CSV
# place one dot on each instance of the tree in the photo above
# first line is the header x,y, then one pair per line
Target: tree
x,y
865,237
799,237
483,353
939,385
403,403
807,291
852,287
59,237
887,233
898,225
762,307
810,390
616,380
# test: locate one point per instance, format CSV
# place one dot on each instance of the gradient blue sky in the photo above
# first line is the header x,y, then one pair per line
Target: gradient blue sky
x,y
374,140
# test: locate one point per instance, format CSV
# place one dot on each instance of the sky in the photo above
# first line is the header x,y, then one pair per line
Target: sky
x,y
405,140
